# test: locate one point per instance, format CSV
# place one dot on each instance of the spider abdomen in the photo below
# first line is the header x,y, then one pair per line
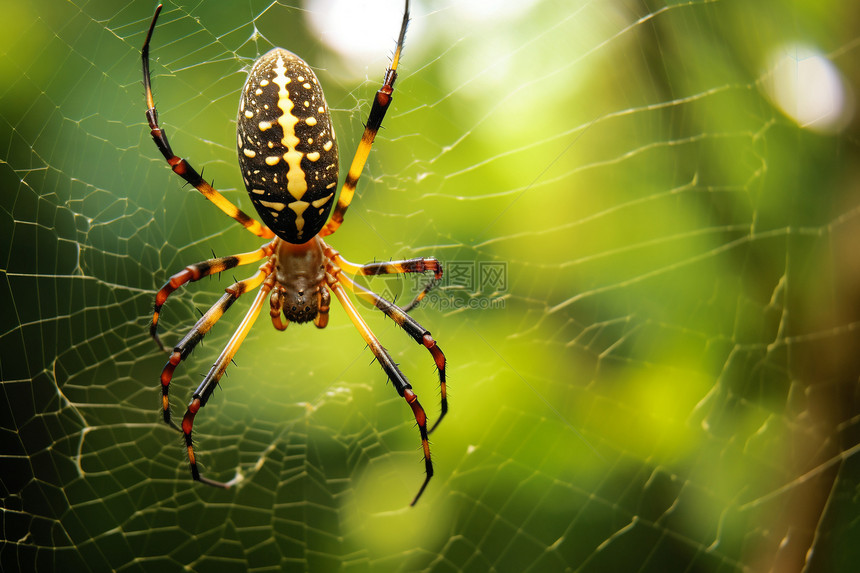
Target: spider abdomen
x,y
287,147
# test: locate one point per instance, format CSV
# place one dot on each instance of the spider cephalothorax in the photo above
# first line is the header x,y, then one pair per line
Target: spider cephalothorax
x,y
289,162
300,276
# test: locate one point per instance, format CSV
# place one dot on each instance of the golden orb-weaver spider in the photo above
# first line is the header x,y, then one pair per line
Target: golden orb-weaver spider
x,y
289,162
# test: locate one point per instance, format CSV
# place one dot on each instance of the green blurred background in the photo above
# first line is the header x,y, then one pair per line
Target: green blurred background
x,y
651,314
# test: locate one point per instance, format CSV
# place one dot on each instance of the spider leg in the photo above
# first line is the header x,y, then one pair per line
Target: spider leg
x,y
374,121
321,320
204,391
418,333
180,166
196,272
420,296
401,384
183,349
418,265
276,307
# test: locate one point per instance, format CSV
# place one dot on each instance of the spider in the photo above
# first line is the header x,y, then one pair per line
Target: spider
x,y
289,161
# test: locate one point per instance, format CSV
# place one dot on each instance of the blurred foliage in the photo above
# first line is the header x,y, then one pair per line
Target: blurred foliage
x,y
662,378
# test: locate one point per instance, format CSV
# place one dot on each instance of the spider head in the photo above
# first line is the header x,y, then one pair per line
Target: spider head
x,y
302,303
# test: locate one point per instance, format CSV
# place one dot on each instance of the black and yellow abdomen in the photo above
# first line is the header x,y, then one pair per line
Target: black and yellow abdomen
x,y
287,147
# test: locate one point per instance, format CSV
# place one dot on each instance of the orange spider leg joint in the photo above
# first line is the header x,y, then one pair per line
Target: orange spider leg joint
x,y
438,356
187,422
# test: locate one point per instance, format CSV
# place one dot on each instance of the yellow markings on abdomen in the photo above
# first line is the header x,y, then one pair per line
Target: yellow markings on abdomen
x,y
277,206
287,172
299,208
320,202
296,182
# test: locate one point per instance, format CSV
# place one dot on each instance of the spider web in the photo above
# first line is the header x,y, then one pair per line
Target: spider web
x,y
650,312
